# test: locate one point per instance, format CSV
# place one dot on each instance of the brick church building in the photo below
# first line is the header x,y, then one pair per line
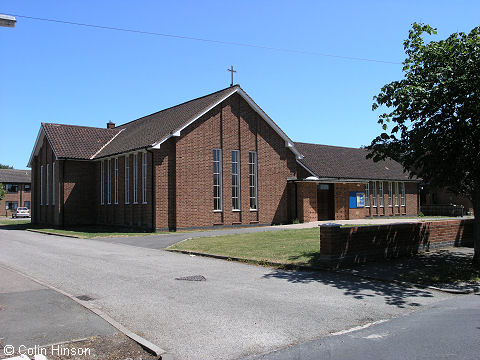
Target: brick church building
x,y
218,160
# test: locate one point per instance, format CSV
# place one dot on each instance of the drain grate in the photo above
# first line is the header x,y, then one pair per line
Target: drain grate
x,y
192,278
84,298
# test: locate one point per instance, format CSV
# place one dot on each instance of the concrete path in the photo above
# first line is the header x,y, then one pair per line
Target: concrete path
x,y
163,241
240,310
448,330
31,314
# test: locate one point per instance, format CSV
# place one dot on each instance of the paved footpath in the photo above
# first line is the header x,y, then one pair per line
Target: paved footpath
x,y
31,314
240,309
163,241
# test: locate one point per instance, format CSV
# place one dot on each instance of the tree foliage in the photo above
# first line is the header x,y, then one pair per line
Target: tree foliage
x,y
5,166
432,122
2,191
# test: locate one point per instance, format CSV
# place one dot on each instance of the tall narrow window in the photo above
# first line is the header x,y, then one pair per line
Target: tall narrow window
x,y
102,182
53,183
135,177
252,166
127,179
41,185
48,183
115,179
403,193
396,193
217,179
144,177
235,179
390,194
374,194
109,181
367,194
380,193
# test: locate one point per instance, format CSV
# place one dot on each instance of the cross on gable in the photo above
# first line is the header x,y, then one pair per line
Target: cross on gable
x,y
231,71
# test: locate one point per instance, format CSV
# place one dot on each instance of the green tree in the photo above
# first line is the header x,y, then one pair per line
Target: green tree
x,y
5,166
431,123
2,191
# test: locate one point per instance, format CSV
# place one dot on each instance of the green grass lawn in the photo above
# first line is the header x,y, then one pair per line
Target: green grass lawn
x,y
86,232
291,247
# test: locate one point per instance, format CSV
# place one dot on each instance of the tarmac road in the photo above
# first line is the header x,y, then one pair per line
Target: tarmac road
x,y
448,330
240,309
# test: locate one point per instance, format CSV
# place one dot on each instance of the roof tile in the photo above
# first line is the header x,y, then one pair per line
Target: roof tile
x,y
150,129
348,163
15,176
77,142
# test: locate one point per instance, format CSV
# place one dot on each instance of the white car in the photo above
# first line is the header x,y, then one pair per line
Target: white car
x,y
21,212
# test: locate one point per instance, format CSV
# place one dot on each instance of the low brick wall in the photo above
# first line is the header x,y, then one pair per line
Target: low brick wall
x,y
363,243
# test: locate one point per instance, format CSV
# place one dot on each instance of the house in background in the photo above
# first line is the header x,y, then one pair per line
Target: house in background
x,y
218,160
17,185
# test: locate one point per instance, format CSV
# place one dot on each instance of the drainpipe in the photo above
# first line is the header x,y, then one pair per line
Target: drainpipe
x,y
296,201
153,192
63,194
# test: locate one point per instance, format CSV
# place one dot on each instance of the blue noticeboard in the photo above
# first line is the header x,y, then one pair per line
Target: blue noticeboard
x,y
357,199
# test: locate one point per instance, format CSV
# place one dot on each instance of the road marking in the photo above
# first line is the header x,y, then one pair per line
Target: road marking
x,y
375,336
356,328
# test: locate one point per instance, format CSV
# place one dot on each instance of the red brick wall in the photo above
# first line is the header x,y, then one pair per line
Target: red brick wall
x,y
307,201
165,185
78,193
45,214
342,202
359,244
232,125
341,205
411,201
132,214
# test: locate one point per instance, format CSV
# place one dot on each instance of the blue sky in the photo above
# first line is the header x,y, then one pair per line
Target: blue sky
x,y
68,74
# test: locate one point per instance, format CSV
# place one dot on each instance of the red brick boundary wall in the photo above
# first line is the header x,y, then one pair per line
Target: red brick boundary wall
x,y
363,243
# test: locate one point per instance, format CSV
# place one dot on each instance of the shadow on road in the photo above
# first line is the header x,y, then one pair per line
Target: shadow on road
x,y
356,287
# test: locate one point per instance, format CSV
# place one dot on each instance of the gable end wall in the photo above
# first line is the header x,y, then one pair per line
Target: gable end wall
x,y
232,125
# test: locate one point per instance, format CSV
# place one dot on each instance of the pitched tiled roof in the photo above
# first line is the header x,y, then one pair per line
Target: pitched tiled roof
x,y
347,163
82,142
15,176
77,142
150,129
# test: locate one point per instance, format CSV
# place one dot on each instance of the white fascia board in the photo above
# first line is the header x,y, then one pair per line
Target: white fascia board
x,y
108,142
343,180
41,134
306,168
118,155
288,141
38,143
177,131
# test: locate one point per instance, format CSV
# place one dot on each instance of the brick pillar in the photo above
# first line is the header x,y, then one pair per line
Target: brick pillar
x,y
307,201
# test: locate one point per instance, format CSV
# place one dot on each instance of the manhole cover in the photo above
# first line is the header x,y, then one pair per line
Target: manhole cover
x,y
84,298
192,278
